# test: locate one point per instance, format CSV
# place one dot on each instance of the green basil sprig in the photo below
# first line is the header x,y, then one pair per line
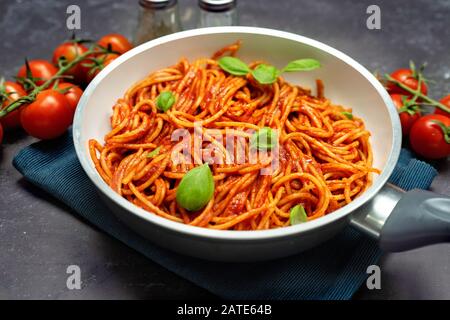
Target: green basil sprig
x,y
264,139
154,153
301,65
298,215
349,115
234,66
165,100
263,73
196,188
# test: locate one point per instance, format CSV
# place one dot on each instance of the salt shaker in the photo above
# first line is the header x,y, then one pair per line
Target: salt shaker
x,y
215,13
156,18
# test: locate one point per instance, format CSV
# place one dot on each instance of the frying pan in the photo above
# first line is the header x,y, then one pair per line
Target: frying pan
x,y
400,220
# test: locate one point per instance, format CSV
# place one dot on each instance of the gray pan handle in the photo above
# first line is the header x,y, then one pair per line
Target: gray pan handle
x,y
419,218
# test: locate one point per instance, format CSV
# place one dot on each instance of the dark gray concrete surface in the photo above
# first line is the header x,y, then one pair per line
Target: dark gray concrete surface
x,y
39,237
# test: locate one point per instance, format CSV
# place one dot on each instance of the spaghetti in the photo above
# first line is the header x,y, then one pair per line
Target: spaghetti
x,y
325,157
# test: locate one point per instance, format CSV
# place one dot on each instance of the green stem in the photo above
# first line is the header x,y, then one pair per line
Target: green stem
x,y
419,94
63,69
32,95
445,130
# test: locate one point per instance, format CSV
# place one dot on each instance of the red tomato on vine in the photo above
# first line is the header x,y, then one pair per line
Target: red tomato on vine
x,y
10,92
429,136
48,116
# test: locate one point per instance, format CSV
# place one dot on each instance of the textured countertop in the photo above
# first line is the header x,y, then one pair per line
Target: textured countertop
x,y
40,237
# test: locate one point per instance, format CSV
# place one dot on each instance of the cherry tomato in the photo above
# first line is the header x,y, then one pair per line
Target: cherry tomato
x,y
117,42
1,133
102,61
406,119
70,51
40,69
72,93
428,138
406,77
446,102
11,91
48,116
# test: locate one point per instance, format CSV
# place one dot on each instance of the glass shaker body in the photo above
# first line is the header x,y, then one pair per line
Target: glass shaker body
x,y
216,13
156,18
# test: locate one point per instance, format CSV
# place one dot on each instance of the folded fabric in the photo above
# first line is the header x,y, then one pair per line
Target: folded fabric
x,y
333,270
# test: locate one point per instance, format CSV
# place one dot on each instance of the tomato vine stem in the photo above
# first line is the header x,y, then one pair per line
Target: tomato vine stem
x,y
418,94
58,75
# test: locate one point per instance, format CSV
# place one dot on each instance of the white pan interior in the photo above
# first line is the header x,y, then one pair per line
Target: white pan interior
x,y
346,83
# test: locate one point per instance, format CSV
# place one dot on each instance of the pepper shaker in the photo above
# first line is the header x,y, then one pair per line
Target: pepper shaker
x,y
215,13
156,18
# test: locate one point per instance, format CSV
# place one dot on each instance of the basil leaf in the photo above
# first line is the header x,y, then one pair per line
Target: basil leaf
x,y
302,65
165,100
298,215
154,153
234,66
349,115
264,139
196,188
265,74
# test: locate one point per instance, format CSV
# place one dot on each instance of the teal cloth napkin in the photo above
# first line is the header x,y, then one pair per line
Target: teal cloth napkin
x,y
333,270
